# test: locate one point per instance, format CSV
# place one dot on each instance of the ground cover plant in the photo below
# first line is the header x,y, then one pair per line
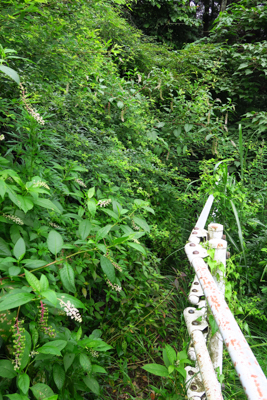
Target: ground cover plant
x,y
110,143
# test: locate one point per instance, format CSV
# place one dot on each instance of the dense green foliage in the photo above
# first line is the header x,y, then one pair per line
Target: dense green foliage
x,y
109,146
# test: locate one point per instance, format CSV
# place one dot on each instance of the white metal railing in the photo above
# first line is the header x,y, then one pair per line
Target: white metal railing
x,y
202,382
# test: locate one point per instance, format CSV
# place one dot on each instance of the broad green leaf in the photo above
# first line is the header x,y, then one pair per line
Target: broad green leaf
x,y
149,209
120,240
102,233
16,396
53,347
87,342
15,300
50,295
171,369
181,355
47,204
33,263
97,369
181,371
7,369
11,73
32,281
26,203
68,360
188,127
101,247
120,104
92,384
91,192
84,228
91,204
19,249
24,383
110,213
213,325
165,358
85,362
54,242
4,249
170,353
107,268
35,337
2,188
67,277
156,369
58,376
41,391
79,333
137,247
44,284
142,223
14,271
55,397
27,349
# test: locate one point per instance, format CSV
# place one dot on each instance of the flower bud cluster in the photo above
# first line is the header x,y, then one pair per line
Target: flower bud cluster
x,y
117,266
104,203
81,183
70,310
33,353
13,218
114,286
30,110
18,342
54,225
43,317
136,241
135,227
41,184
93,353
2,137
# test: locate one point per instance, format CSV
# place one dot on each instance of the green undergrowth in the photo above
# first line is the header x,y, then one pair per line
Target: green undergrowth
x,y
110,144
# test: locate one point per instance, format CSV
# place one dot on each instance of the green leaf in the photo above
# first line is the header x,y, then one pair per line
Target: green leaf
x,y
142,223
54,242
91,192
87,342
19,249
166,359
181,355
11,73
58,376
84,228
110,213
15,300
96,369
149,209
107,268
188,127
213,325
35,337
68,360
120,104
181,371
2,188
14,271
16,396
26,203
156,369
92,384
53,347
32,281
41,391
85,362
46,204
137,247
170,353
7,369
67,277
91,204
44,284
27,349
4,249
171,369
50,295
102,233
24,383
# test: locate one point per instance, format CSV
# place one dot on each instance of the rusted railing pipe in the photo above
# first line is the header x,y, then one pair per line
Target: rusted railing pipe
x,y
248,369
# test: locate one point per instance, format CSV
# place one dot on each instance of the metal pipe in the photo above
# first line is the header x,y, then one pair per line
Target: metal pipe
x,y
248,369
211,384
